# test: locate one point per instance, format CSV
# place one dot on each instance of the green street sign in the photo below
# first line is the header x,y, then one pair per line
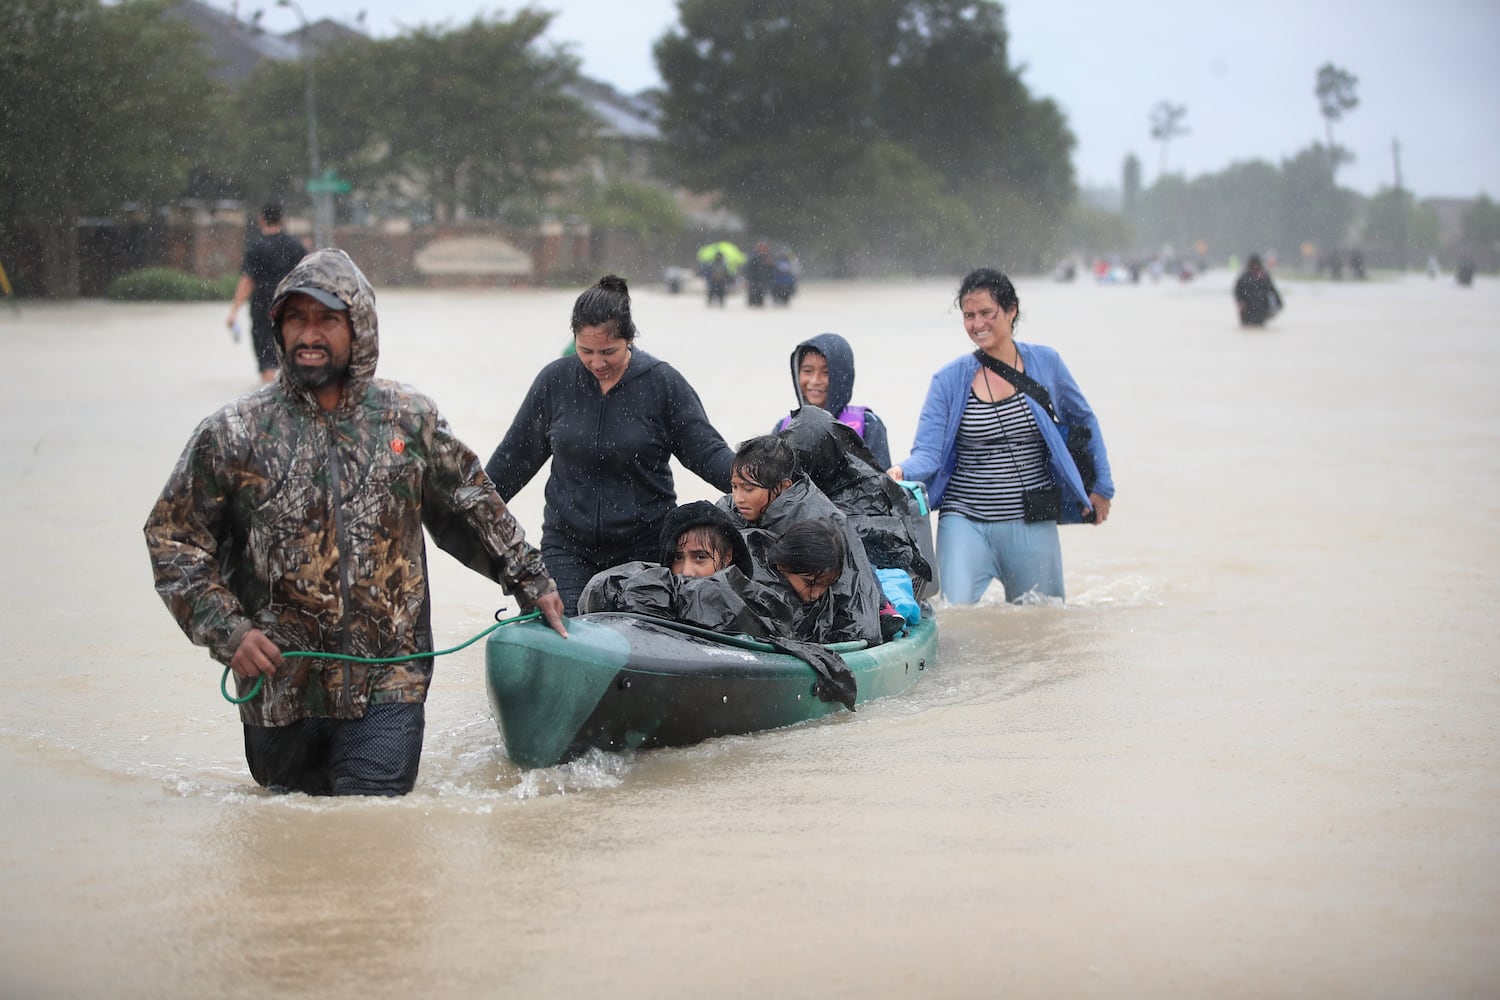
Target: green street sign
x,y
329,183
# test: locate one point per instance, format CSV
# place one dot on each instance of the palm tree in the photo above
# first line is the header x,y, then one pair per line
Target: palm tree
x,y
1335,90
1166,123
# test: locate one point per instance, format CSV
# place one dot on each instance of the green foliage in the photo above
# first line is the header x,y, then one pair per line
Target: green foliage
x,y
475,120
1234,212
808,128
1255,207
479,116
1334,89
1397,228
269,143
1314,210
99,105
1480,224
894,215
1095,231
163,284
639,209
1425,231
108,104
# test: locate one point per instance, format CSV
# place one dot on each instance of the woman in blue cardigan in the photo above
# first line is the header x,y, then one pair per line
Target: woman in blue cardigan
x,y
995,463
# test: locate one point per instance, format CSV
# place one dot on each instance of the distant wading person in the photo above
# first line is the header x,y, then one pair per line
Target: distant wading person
x,y
718,277
1254,295
994,462
611,418
268,258
760,270
293,521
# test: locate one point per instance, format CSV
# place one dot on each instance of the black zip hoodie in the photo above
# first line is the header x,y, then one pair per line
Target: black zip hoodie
x,y
611,481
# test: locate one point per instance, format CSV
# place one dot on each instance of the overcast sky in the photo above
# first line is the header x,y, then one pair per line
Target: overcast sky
x,y
1428,74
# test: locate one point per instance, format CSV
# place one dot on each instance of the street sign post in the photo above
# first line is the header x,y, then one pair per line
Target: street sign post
x,y
329,183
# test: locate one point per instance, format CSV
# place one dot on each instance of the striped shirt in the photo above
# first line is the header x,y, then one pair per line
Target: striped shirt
x,y
1000,454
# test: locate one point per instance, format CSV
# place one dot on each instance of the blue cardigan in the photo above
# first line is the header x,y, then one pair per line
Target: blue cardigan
x,y
935,451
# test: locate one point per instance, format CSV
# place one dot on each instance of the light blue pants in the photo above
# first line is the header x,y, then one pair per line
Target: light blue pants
x,y
1025,558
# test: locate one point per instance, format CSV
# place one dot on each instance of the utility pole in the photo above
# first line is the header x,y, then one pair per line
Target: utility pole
x,y
322,198
1401,210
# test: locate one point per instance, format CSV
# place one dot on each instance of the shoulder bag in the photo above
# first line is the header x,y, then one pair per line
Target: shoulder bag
x,y
1076,438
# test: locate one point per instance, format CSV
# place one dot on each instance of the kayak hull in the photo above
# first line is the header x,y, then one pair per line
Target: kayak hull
x,y
628,682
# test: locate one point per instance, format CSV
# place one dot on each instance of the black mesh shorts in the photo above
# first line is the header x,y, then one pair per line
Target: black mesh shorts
x,y
376,755
263,339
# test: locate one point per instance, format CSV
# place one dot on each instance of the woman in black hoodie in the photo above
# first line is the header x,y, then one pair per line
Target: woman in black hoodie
x,y
610,417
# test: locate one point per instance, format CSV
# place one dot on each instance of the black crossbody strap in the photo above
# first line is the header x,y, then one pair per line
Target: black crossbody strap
x,y
1021,381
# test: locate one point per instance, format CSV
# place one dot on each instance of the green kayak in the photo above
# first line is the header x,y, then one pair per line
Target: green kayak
x,y
627,682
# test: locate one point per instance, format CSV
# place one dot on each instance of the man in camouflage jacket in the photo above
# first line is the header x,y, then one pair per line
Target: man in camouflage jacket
x,y
293,521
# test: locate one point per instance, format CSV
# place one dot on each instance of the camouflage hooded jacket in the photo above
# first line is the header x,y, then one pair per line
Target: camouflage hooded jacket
x,y
307,524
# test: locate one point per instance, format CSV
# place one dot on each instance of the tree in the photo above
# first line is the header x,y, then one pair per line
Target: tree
x,y
786,113
642,210
1093,231
1234,211
1166,216
267,157
1397,228
1314,209
468,121
1130,185
1166,124
99,105
443,123
1007,155
893,214
1250,206
480,116
1240,207
1335,92
1424,233
1480,224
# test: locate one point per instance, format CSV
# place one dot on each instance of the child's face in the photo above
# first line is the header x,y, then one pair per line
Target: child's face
x,y
694,555
750,499
808,586
812,378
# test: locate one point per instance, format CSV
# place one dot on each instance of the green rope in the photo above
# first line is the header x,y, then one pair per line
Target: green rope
x,y
260,679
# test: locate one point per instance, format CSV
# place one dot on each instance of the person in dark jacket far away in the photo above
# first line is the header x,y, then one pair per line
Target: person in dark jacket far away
x,y
718,277
1254,295
294,522
611,418
823,376
268,258
760,270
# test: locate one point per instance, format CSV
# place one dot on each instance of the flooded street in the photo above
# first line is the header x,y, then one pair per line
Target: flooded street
x,y
1255,755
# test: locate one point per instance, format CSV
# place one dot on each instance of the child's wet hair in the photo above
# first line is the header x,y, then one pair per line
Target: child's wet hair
x,y
811,548
713,537
766,461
